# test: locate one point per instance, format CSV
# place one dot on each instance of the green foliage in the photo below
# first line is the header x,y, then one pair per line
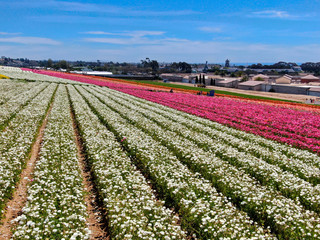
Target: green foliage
x,y
152,64
279,65
311,67
62,64
244,78
259,79
49,63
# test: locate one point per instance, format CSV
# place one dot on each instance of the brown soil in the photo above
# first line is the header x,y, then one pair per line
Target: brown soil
x,y
96,215
19,198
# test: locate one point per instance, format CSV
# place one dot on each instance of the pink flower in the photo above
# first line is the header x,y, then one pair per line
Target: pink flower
x,y
296,127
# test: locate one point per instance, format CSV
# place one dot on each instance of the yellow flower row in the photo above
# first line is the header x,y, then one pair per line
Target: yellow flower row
x,y
3,77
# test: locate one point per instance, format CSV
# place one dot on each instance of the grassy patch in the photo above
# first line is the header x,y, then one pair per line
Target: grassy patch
x,y
207,90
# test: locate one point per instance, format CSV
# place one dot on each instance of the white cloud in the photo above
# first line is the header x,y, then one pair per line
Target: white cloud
x,y
103,8
170,50
128,33
210,29
133,41
98,33
7,33
129,37
74,6
30,40
194,51
271,14
176,49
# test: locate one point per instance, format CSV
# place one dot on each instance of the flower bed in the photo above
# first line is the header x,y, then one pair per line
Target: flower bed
x,y
204,212
16,141
132,209
55,208
281,124
235,184
17,102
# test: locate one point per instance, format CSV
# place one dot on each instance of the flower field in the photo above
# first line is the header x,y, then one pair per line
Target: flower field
x,y
276,122
163,165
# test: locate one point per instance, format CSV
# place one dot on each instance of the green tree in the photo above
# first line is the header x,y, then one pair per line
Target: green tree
x,y
49,63
153,65
244,78
63,64
259,79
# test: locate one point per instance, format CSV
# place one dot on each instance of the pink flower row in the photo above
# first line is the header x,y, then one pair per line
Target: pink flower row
x,y
291,126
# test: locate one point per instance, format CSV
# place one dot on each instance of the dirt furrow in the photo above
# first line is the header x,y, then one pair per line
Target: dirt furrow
x,y
19,198
97,220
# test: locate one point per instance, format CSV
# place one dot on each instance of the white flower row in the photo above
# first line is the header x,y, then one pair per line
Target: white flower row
x,y
16,141
10,69
302,163
16,103
133,211
55,208
204,211
17,73
266,205
267,174
11,88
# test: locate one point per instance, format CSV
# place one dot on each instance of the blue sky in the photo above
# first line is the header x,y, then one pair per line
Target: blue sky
x,y
189,30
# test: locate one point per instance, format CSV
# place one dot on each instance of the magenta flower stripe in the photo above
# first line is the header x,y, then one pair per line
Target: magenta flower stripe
x,y
291,126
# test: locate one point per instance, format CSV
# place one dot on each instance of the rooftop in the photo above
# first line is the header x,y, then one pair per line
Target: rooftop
x,y
251,83
310,77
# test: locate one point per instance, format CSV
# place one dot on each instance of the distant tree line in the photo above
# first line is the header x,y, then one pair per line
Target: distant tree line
x,y
279,65
311,67
148,66
181,67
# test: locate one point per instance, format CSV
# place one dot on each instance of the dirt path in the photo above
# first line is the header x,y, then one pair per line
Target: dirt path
x,y
96,215
292,97
19,198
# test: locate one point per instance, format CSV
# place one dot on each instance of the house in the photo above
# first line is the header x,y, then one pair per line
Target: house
x,y
295,79
286,79
171,77
215,81
289,89
297,68
260,77
251,85
309,78
230,83
314,91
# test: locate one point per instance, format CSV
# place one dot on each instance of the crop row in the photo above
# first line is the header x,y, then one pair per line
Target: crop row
x,y
31,75
221,181
255,144
172,133
204,212
16,141
232,113
10,88
133,211
17,102
263,204
55,208
260,119
303,164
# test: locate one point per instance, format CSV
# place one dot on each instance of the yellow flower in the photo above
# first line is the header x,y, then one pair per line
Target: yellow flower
x,y
3,77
